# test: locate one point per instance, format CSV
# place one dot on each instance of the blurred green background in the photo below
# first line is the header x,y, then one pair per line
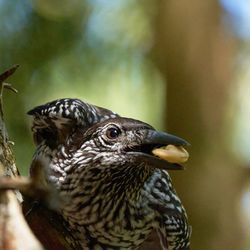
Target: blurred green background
x,y
182,66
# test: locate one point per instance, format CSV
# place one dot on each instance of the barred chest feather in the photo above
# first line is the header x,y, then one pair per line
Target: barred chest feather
x,y
108,206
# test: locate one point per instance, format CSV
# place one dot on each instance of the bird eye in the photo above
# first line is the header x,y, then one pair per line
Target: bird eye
x,y
113,133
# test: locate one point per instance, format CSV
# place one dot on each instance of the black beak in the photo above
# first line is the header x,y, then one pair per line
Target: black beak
x,y
153,139
161,138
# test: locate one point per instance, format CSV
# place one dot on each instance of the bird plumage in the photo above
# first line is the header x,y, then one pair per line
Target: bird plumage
x,y
115,191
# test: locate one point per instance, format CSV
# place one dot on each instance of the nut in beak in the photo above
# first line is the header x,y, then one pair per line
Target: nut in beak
x,y
172,153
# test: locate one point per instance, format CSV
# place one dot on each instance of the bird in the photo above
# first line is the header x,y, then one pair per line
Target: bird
x,y
115,192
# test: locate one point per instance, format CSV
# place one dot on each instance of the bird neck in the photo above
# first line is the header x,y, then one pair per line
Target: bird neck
x,y
127,180
103,189
114,181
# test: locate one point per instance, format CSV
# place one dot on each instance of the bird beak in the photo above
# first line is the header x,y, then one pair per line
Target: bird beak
x,y
161,150
162,138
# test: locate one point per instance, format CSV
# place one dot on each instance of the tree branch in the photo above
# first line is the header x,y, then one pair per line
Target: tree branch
x,y
14,232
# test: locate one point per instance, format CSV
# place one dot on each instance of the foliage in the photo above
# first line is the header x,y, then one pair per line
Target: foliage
x,y
93,50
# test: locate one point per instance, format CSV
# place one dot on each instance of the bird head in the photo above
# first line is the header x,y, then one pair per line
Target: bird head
x,y
87,135
123,140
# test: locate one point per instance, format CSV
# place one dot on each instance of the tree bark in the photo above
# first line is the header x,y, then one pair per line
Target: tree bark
x,y
15,234
34,223
194,55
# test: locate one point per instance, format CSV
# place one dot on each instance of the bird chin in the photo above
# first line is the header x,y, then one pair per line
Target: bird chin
x,y
153,161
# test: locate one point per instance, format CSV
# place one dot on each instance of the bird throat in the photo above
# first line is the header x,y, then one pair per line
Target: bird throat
x,y
99,193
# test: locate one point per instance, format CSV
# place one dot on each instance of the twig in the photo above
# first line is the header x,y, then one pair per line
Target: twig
x,y
15,234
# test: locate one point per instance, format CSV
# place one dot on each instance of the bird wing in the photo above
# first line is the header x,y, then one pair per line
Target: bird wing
x,y
55,120
173,229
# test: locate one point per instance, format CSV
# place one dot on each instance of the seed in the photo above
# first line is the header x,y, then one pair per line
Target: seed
x,y
172,153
